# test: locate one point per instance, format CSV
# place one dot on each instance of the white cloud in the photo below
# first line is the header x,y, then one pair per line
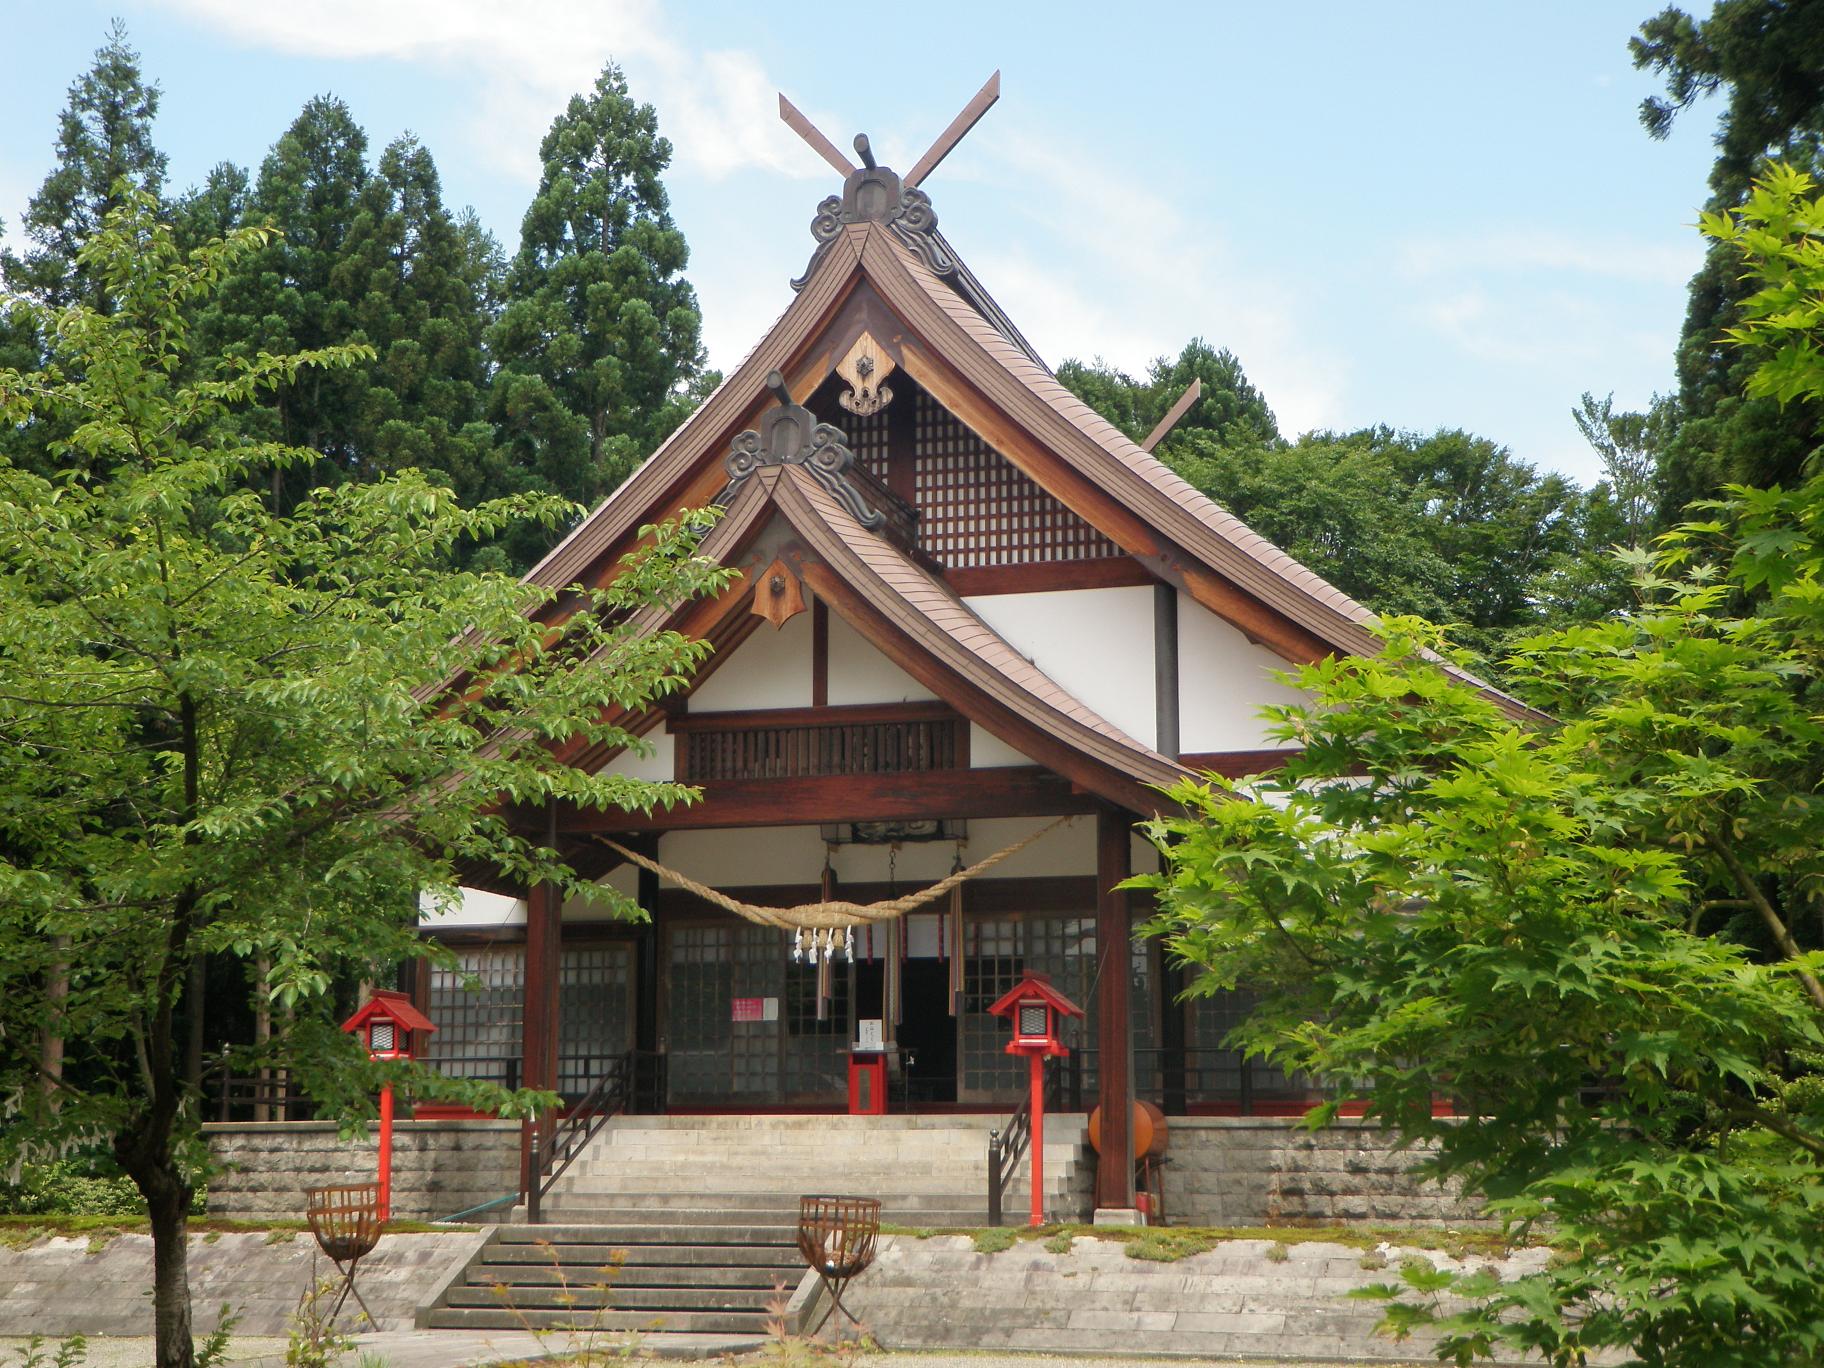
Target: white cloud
x,y
1125,276
523,61
1506,251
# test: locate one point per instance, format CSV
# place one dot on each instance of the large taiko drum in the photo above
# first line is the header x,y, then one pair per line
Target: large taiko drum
x,y
1148,1130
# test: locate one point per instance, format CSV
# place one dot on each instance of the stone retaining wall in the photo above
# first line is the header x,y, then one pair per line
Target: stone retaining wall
x,y
102,1285
1257,1170
1222,1171
1244,1299
439,1167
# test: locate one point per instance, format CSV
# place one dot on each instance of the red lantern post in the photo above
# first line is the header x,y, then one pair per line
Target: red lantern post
x,y
1036,1010
384,1024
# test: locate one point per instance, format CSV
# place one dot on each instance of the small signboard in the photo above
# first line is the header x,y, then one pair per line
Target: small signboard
x,y
769,1009
867,1034
748,1009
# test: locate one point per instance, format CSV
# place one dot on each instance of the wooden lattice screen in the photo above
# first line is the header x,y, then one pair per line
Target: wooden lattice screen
x,y
976,508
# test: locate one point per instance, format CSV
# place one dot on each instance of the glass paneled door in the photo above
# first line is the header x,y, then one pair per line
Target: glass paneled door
x,y
742,1023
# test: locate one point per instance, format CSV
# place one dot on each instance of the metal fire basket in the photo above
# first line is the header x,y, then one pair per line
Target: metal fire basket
x,y
347,1225
837,1235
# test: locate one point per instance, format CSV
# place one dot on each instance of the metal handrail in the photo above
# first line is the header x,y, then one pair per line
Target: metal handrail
x,y
1005,1150
571,1132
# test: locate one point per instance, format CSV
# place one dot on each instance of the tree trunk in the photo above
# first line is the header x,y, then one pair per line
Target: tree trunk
x,y
193,1046
56,990
174,1346
154,1171
263,1110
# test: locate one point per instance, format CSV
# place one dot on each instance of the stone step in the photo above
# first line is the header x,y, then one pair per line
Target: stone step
x,y
674,1257
621,1208
570,1227
693,1224
628,1275
642,1322
684,1167
789,1121
906,1142
531,1297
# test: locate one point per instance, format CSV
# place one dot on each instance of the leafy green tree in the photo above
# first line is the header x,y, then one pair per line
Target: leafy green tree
x,y
1616,519
1766,57
225,729
408,277
599,345
284,299
1599,935
1435,902
213,209
1230,409
1448,526
104,137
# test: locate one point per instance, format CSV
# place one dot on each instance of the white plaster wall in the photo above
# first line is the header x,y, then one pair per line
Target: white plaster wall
x,y
1223,682
1096,643
660,764
771,669
472,908
624,878
988,751
861,674
794,855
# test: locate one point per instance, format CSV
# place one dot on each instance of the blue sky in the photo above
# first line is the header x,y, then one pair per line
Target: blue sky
x,y
1421,215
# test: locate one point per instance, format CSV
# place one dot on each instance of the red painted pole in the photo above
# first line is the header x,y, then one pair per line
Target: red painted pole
x,y
1038,1139
386,1152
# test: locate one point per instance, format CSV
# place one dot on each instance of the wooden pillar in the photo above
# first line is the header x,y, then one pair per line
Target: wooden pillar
x,y
648,1075
538,1020
1165,670
1114,1040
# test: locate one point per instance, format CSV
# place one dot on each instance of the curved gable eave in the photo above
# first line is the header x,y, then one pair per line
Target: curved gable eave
x,y
691,456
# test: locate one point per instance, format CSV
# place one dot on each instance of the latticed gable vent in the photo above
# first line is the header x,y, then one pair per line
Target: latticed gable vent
x,y
976,508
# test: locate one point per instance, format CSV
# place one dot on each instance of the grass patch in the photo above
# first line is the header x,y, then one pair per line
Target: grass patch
x,y
1169,1243
1162,1244
1060,1243
1278,1252
16,1232
994,1239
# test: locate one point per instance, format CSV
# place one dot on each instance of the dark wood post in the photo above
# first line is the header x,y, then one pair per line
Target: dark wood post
x,y
647,1076
1114,1064
1165,671
539,1019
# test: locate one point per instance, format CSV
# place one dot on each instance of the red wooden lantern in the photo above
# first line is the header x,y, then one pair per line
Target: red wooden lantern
x,y
1037,1011
384,1024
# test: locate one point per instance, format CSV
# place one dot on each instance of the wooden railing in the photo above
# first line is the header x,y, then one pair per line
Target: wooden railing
x,y
785,743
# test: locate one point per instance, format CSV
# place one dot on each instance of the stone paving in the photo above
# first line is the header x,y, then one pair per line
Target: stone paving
x,y
450,1349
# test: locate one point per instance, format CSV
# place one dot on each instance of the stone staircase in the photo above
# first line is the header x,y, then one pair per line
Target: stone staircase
x,y
616,1280
700,1171
688,1224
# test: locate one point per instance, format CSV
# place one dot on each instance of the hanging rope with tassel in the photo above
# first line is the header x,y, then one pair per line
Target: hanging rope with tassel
x,y
824,973
891,975
830,914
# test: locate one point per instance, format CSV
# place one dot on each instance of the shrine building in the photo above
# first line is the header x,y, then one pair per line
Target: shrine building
x,y
972,619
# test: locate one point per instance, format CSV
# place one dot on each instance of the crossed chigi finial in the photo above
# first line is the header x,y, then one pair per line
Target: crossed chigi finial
x,y
971,114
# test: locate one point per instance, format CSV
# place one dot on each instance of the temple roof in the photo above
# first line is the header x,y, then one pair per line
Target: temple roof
x,y
885,273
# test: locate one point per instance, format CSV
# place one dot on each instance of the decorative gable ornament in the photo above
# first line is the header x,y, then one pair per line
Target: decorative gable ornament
x,y
791,435
876,194
866,368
